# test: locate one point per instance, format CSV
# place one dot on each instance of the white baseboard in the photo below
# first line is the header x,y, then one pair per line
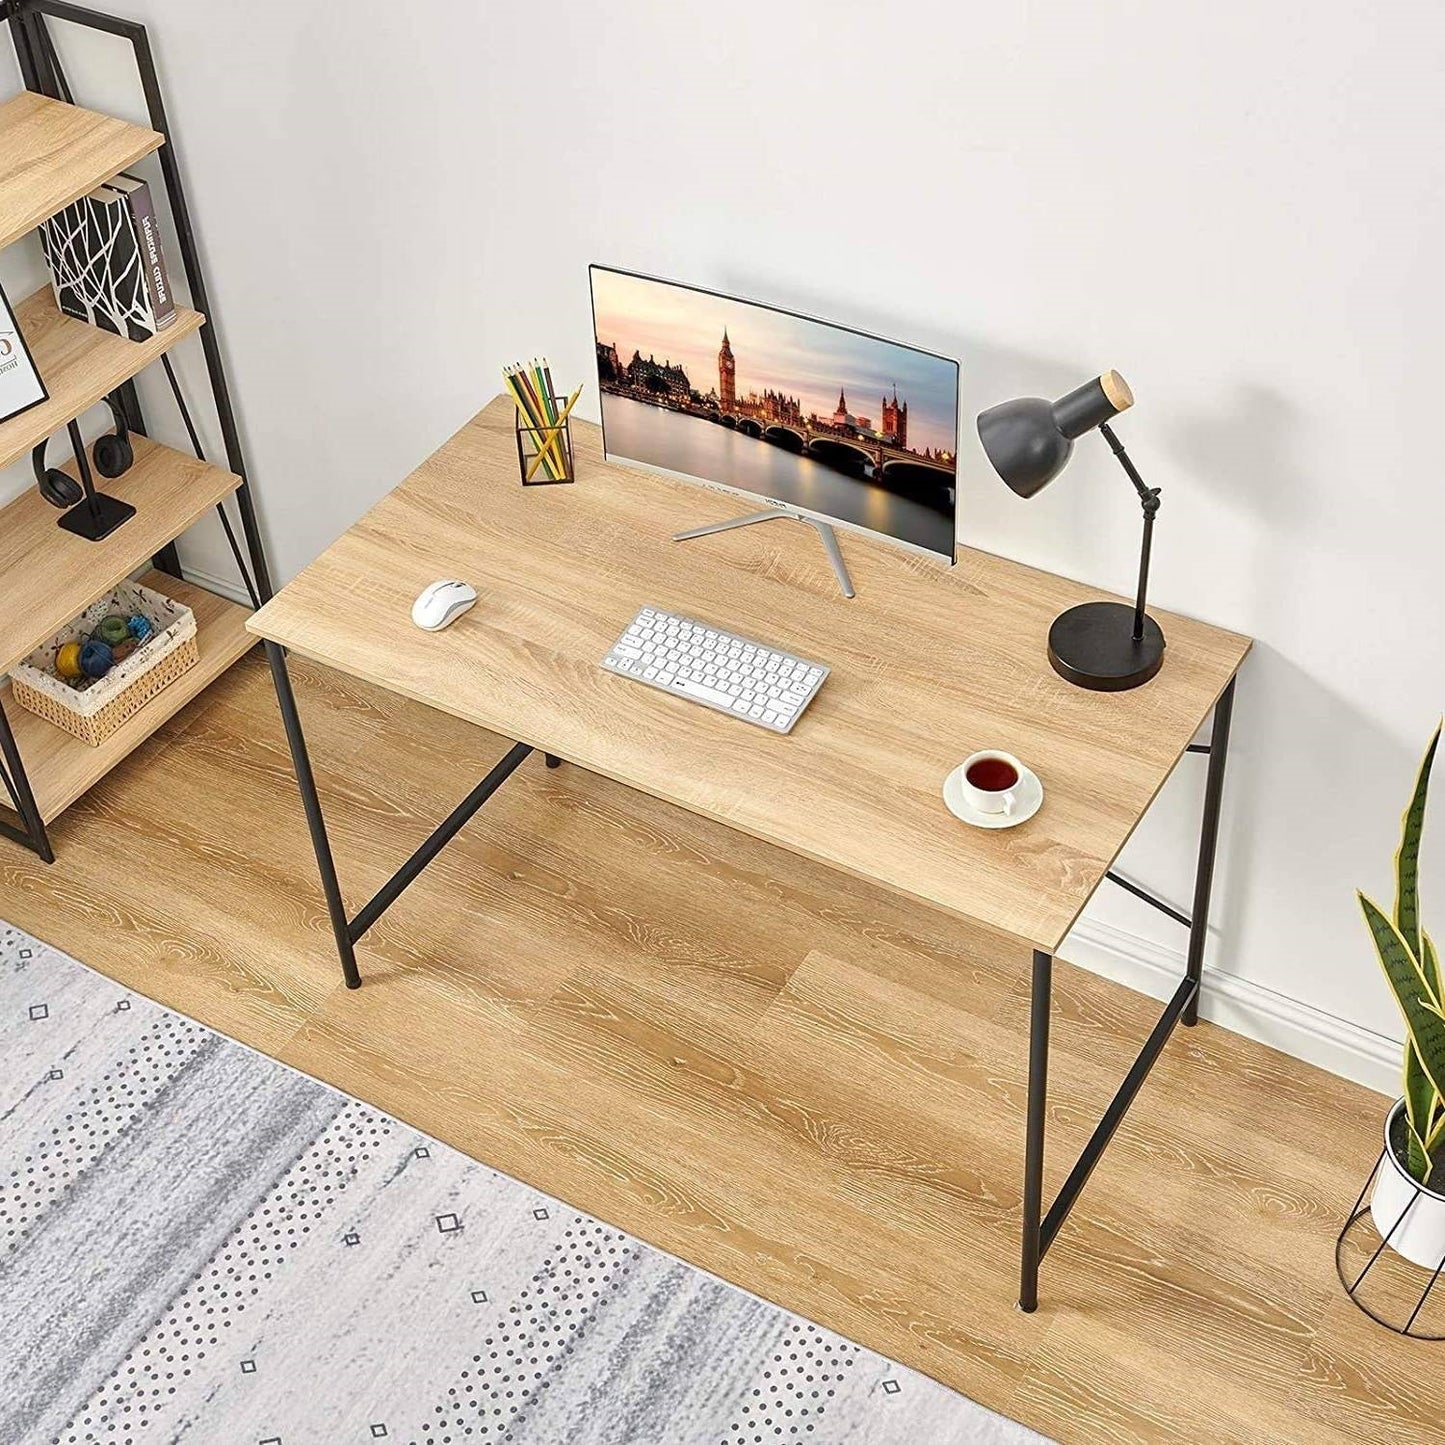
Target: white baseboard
x,y
1246,1008
228,587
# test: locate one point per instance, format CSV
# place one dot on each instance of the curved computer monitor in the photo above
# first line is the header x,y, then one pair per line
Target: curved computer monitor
x,y
812,418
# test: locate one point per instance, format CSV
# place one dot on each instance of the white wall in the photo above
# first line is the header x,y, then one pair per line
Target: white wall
x,y
1235,204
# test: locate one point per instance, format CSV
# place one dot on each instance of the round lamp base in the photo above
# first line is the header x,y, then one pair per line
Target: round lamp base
x,y
1093,646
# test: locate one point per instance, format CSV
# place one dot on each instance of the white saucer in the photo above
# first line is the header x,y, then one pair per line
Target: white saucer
x,y
1028,799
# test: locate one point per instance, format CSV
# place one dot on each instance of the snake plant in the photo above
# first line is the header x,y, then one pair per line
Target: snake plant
x,y
1412,967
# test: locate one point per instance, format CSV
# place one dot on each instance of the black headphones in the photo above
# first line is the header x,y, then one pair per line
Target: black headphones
x,y
112,453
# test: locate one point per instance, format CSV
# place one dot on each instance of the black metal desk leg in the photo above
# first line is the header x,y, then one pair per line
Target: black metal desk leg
x,y
276,656
1038,1103
1208,839
17,785
553,761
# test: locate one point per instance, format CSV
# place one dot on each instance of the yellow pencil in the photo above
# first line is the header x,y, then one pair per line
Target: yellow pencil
x,y
565,413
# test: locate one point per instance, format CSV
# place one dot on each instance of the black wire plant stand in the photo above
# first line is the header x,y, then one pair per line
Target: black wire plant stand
x,y
1393,1273
42,72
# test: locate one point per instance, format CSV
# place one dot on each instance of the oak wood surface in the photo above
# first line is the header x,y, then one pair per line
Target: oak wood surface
x,y
80,364
48,575
61,767
812,1087
52,154
929,665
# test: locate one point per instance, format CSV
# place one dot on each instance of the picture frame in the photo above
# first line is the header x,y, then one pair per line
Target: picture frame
x,y
21,385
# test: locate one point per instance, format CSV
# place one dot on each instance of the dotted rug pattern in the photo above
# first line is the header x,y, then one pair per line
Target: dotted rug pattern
x,y
200,1245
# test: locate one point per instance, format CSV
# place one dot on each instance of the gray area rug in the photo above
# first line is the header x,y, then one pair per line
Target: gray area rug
x,y
200,1244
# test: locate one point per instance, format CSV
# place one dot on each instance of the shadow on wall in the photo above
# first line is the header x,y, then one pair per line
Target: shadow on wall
x,y
1245,447
1243,444
1311,812
1315,793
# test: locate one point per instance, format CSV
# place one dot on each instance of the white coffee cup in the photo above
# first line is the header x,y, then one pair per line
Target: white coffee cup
x,y
997,776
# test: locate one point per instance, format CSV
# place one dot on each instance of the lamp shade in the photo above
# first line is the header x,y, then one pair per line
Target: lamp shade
x,y
1029,441
1024,444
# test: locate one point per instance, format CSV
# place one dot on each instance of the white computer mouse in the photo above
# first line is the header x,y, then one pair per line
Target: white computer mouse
x,y
441,604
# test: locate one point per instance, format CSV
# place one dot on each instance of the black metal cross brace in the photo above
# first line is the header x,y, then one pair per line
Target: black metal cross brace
x,y
1039,1228
348,931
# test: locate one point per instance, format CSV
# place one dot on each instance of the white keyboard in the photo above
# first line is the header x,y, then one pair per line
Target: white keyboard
x,y
718,669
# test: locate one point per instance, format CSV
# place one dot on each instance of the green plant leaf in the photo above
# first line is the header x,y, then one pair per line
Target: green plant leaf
x,y
1435,1139
1407,857
1430,965
1417,1157
1420,1101
1425,1024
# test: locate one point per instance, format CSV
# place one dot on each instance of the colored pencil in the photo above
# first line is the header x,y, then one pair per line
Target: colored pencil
x,y
528,391
562,417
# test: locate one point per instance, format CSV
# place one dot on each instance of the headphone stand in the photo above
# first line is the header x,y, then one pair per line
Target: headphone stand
x,y
96,517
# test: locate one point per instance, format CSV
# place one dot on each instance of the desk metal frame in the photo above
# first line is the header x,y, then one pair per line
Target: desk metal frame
x,y
1039,1229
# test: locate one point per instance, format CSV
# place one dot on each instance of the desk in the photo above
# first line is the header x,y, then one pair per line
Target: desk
x,y
928,665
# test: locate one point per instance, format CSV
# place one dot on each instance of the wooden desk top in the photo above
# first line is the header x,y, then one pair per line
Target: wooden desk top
x,y
929,665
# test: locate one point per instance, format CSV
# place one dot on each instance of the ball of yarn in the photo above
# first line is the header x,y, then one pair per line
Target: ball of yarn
x,y
96,658
113,629
67,660
140,627
123,650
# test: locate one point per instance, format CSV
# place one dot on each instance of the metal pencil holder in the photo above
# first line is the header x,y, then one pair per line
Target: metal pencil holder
x,y
544,454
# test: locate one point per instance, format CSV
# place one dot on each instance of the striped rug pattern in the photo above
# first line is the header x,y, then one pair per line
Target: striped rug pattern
x,y
198,1244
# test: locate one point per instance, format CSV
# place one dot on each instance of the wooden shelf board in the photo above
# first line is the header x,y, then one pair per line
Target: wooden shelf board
x,y
48,576
61,768
52,154
79,365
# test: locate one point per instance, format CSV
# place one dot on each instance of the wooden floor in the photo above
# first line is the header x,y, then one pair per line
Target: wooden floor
x,y
800,1083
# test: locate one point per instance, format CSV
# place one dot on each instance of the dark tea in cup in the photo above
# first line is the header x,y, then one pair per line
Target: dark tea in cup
x,y
992,774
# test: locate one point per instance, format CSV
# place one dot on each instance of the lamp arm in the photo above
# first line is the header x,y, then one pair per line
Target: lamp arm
x,y
1149,501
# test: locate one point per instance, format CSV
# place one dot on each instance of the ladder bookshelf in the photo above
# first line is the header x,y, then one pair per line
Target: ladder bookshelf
x,y
52,152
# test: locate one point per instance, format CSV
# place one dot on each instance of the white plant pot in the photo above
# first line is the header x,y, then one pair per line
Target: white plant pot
x,y
1412,1216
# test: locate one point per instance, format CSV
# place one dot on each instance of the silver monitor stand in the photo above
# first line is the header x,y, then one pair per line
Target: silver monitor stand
x,y
772,514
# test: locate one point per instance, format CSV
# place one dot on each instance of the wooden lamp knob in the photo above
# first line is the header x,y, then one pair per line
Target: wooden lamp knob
x,y
1117,390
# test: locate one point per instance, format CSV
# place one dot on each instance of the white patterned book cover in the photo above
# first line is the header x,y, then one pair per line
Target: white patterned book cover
x,y
99,264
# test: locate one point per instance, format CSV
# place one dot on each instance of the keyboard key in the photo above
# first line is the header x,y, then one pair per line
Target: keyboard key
x,y
704,692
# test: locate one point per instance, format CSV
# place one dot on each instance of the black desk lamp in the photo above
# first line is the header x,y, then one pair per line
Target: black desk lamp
x,y
1108,646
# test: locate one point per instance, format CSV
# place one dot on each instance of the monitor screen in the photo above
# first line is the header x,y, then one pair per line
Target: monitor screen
x,y
812,417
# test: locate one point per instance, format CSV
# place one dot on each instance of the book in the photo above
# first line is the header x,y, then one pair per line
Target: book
x,y
106,263
148,235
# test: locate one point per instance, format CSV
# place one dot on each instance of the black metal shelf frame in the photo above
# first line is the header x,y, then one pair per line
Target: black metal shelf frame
x,y
41,70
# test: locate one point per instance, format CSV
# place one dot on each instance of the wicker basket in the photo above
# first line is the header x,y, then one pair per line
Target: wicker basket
x,y
95,714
